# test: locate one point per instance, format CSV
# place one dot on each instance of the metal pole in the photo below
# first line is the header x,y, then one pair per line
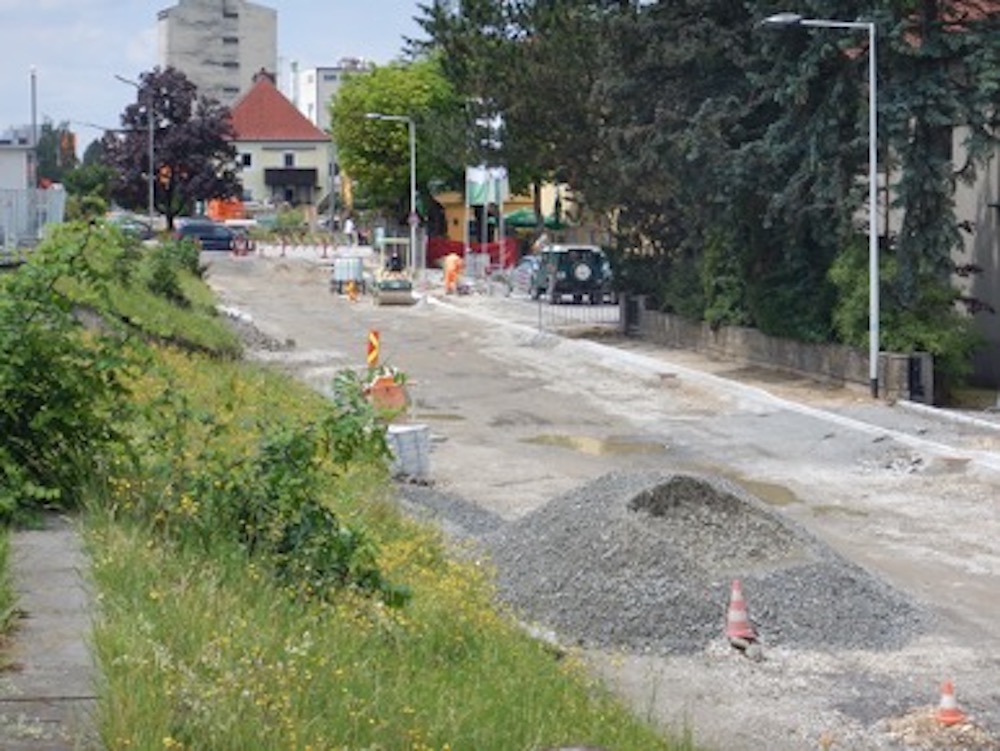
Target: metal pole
x,y
873,263
413,191
151,200
150,155
33,176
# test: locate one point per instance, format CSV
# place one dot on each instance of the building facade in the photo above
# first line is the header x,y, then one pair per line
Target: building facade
x,y
219,44
313,88
284,158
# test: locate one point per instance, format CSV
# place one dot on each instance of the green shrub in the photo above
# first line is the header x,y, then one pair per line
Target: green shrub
x,y
266,498
61,384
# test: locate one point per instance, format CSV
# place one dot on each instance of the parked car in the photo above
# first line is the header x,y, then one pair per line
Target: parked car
x,y
208,235
132,225
582,271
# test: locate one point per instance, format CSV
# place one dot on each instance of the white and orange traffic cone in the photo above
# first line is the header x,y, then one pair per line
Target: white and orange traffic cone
x,y
948,712
739,630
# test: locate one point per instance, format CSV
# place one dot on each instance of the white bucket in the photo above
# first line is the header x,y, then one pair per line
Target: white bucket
x,y
411,450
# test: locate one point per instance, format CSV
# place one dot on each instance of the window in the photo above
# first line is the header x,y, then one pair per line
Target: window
x,y
246,160
232,64
329,76
230,40
289,160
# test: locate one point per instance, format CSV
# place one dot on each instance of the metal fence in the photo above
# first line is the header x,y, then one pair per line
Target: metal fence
x,y
568,315
24,214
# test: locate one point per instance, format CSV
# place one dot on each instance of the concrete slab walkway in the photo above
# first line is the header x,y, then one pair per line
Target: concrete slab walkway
x,y
47,696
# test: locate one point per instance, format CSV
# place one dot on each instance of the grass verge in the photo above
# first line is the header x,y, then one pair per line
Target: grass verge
x,y
201,647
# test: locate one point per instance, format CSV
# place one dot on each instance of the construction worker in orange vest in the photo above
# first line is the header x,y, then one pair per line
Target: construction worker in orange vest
x,y
452,270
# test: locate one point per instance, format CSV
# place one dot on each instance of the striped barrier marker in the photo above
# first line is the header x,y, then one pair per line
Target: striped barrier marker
x,y
373,348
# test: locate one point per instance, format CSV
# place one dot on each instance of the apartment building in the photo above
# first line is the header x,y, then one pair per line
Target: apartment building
x,y
219,44
313,88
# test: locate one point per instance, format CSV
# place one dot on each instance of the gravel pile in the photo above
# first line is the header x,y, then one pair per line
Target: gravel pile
x,y
645,562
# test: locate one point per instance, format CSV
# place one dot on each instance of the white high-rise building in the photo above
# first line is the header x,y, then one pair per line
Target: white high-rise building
x,y
220,45
313,88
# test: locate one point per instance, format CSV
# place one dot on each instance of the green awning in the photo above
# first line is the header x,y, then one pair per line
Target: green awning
x,y
526,218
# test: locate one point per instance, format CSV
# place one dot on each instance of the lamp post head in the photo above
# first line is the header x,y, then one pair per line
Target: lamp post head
x,y
383,116
782,19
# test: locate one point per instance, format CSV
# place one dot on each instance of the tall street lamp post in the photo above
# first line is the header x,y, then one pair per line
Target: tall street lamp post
x,y
150,177
414,220
793,19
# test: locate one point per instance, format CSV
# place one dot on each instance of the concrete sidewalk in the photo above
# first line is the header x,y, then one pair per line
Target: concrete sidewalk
x,y
48,694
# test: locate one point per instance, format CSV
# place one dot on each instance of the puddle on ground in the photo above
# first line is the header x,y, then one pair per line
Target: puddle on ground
x,y
439,416
768,492
829,509
613,446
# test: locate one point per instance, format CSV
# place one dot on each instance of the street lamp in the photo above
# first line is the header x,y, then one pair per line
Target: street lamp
x,y
793,19
150,177
413,218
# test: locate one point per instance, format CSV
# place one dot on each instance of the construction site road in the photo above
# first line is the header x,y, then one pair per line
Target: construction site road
x,y
519,417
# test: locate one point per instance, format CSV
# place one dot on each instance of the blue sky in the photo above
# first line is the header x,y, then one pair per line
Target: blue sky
x,y
77,47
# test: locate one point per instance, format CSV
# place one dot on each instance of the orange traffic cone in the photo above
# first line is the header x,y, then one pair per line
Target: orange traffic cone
x,y
739,630
948,712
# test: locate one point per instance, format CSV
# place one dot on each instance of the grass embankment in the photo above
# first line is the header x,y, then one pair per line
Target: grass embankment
x,y
258,588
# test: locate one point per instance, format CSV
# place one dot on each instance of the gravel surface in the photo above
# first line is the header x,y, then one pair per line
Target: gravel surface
x,y
633,568
645,562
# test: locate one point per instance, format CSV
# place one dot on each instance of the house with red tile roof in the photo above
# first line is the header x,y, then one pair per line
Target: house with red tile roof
x,y
285,159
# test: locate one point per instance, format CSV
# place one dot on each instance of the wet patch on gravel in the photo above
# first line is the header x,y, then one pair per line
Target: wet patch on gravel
x,y
646,561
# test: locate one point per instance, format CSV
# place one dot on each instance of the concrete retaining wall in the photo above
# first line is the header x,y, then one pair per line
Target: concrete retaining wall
x,y
831,362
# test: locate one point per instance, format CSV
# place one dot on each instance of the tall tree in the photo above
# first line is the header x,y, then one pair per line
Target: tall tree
x,y
938,62
193,155
375,154
525,70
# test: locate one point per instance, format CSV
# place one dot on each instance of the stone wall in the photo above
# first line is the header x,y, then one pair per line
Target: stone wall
x,y
830,362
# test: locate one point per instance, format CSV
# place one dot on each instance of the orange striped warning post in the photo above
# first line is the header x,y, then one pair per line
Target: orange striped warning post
x,y
739,630
373,348
948,712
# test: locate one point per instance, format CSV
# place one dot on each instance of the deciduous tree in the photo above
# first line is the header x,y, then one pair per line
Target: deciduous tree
x,y
375,154
194,157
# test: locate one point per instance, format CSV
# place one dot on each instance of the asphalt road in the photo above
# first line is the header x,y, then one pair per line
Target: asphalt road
x,y
518,416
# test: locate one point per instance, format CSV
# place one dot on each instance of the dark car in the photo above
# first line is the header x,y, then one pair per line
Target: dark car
x,y
208,235
133,226
582,271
